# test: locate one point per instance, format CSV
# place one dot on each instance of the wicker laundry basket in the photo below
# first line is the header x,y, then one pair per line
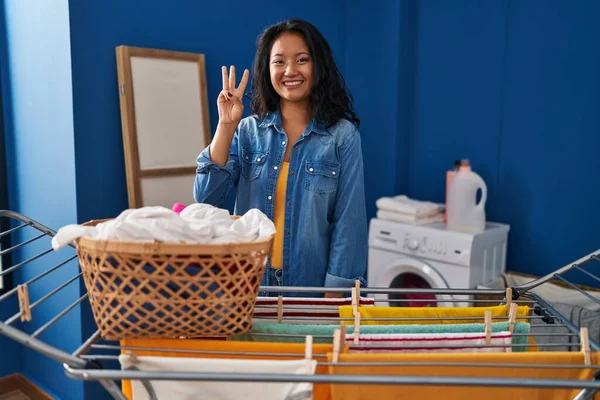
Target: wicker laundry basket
x,y
163,290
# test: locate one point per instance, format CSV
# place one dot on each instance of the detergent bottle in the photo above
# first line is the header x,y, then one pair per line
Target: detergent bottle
x,y
464,213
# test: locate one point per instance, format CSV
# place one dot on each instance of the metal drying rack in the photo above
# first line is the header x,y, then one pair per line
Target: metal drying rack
x,y
88,362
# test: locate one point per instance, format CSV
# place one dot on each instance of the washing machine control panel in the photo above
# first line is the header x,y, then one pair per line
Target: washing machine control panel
x,y
421,241
424,245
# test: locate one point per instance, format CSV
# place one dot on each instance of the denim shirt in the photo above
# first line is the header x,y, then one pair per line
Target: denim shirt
x,y
325,238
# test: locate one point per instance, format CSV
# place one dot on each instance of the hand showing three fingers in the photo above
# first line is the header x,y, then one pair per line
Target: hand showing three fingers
x,y
229,102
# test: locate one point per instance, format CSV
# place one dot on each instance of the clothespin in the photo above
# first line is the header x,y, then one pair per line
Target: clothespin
x,y
279,309
357,293
339,342
488,327
24,307
355,312
336,345
356,332
512,317
585,345
308,347
508,299
133,357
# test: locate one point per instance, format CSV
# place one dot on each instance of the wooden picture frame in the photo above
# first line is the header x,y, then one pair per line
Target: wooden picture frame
x,y
165,123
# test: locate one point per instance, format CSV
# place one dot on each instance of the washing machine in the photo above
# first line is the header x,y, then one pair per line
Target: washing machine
x,y
431,256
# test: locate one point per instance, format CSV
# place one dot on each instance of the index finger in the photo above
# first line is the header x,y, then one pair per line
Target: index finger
x,y
244,81
225,78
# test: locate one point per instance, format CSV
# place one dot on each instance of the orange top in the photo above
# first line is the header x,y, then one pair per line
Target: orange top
x,y
279,217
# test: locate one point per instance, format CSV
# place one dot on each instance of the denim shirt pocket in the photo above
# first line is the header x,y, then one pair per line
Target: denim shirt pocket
x,y
321,176
252,163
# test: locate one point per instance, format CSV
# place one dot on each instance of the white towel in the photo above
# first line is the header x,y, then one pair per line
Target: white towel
x,y
210,390
409,219
197,224
298,310
429,342
403,204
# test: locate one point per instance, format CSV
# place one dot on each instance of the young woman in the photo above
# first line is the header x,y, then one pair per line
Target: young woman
x,y
298,159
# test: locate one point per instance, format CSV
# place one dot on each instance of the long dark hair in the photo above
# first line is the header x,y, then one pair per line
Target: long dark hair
x,y
329,99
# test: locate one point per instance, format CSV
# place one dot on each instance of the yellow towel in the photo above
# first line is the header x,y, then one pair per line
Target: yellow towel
x,y
296,350
384,392
427,312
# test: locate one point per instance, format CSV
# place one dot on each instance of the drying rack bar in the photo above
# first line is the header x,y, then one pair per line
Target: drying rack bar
x,y
489,301
267,354
21,264
331,379
26,222
36,278
40,346
388,319
583,292
527,287
390,363
18,246
43,299
291,335
47,325
16,228
381,290
589,274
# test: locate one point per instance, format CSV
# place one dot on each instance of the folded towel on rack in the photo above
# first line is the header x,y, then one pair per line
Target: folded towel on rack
x,y
385,392
296,333
197,223
408,218
426,315
211,390
302,310
202,348
405,205
500,342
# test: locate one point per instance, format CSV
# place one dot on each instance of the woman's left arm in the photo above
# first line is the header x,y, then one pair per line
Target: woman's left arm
x,y
349,241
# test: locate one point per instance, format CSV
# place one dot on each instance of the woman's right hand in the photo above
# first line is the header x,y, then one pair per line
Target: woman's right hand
x,y
229,102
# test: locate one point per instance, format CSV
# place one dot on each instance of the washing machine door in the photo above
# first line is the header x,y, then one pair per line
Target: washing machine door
x,y
406,272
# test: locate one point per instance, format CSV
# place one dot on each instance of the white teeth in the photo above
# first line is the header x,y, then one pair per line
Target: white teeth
x,y
292,83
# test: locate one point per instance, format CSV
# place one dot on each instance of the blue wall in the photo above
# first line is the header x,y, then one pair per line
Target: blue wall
x,y
10,362
514,86
372,69
42,165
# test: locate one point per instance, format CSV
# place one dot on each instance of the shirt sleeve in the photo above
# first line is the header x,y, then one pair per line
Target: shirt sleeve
x,y
349,247
214,183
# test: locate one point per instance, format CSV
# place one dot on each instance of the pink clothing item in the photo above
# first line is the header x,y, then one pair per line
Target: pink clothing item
x,y
178,207
469,342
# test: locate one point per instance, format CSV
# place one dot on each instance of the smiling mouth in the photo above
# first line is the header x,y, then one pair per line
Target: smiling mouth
x,y
293,83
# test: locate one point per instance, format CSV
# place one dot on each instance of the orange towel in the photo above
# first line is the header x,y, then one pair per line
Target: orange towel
x,y
384,392
295,350
442,313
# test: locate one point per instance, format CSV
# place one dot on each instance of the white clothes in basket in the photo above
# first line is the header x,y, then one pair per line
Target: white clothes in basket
x,y
197,224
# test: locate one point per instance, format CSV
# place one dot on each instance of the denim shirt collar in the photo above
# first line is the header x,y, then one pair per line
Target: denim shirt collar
x,y
274,119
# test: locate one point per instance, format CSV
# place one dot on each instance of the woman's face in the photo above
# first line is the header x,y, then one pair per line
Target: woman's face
x,y
291,67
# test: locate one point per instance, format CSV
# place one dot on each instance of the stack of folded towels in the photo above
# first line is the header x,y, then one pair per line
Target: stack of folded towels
x,y
410,211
